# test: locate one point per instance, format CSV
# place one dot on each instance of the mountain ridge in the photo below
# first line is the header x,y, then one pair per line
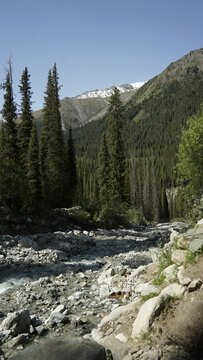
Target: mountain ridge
x,y
109,91
82,109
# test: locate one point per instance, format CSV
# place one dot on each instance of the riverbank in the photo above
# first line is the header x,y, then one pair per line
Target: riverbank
x,y
68,282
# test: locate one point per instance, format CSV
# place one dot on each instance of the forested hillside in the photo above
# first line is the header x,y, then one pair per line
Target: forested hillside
x,y
133,167
153,120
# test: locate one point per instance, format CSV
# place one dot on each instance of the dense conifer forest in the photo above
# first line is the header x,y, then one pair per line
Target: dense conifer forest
x,y
122,164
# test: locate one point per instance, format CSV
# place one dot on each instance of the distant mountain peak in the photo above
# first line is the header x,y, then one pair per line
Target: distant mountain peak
x,y
109,91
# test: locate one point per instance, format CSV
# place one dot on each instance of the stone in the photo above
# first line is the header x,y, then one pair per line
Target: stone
x,y
146,289
148,311
116,313
63,349
179,256
196,245
183,280
194,285
183,243
57,318
17,322
173,290
170,273
104,291
42,330
150,289
173,235
21,339
121,337
60,308
200,222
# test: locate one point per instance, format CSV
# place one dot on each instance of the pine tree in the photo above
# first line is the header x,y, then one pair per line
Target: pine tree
x,y
103,175
25,115
116,150
33,172
52,149
10,176
9,116
71,168
45,136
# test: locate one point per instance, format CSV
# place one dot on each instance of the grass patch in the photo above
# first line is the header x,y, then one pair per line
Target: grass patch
x,y
145,336
164,262
159,279
147,297
169,301
191,258
165,259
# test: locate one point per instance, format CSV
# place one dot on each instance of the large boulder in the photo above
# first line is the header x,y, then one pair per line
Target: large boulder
x,y
64,349
149,310
196,245
118,312
17,322
170,273
173,290
179,256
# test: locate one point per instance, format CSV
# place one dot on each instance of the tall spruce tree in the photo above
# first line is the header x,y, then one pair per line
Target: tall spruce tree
x,y
26,116
33,172
52,149
9,116
111,169
71,168
103,175
10,177
45,136
116,150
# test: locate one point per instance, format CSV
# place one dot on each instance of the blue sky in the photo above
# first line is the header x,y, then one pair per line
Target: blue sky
x,y
95,44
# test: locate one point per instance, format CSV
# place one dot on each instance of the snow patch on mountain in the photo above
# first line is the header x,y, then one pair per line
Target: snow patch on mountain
x,y
108,92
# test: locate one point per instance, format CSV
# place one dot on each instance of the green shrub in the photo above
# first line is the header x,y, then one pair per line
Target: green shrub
x,y
134,216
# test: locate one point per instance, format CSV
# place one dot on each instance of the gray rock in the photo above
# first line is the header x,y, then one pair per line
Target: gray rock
x,y
183,280
57,318
170,273
17,322
147,289
196,245
21,339
173,290
60,308
42,330
121,337
64,349
173,235
179,256
194,285
147,313
104,291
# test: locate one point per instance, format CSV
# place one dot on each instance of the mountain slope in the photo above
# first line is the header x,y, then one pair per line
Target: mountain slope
x,y
153,121
158,109
89,106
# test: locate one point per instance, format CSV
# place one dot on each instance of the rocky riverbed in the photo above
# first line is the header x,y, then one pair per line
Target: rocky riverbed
x,y
64,283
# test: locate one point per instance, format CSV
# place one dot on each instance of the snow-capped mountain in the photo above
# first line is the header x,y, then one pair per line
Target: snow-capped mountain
x,y
108,92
